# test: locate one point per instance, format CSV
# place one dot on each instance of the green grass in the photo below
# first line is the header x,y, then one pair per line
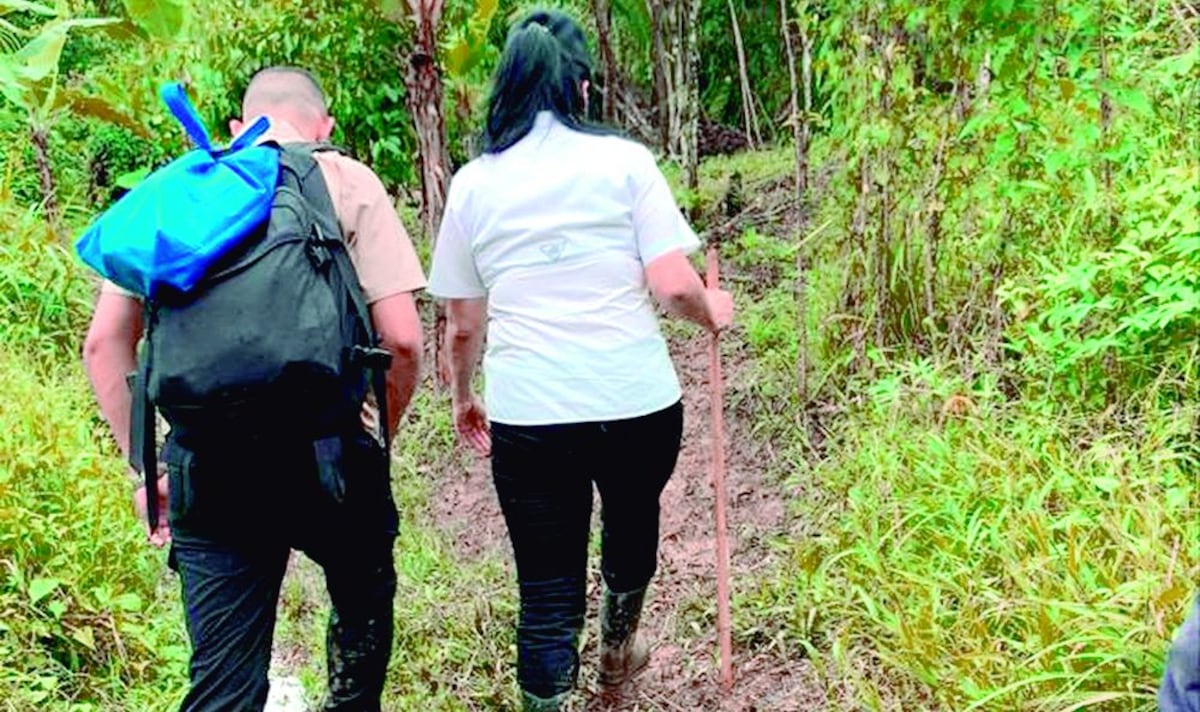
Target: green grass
x,y
977,553
86,618
455,646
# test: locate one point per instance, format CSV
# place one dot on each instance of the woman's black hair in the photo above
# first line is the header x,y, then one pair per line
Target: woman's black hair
x,y
544,64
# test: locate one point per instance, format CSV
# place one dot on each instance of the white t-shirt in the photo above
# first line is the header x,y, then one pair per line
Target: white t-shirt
x,y
556,232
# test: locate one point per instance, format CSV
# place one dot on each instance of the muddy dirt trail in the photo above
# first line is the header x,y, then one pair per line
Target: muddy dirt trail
x,y
682,674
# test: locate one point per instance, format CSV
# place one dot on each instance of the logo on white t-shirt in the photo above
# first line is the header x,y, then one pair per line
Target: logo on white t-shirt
x,y
553,250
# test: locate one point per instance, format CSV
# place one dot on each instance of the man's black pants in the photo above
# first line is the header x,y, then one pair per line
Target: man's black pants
x,y
236,510
543,476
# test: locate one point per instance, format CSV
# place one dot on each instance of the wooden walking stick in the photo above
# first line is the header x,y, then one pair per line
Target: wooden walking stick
x,y
717,399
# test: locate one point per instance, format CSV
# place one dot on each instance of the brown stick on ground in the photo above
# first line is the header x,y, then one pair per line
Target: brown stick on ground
x,y
717,398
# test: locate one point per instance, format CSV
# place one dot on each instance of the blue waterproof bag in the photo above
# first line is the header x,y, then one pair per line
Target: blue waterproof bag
x,y
173,226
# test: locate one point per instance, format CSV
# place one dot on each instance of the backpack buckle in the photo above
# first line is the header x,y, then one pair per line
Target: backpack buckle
x,y
318,252
319,248
372,357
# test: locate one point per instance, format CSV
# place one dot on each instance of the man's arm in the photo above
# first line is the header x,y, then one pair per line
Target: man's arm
x,y
109,355
399,328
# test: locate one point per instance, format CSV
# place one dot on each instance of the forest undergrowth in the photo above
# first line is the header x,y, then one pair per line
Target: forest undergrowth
x,y
969,346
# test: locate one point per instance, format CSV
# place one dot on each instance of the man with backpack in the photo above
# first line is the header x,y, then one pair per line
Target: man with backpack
x,y
253,469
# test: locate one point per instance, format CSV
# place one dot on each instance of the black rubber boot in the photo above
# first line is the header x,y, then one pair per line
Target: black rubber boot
x,y
621,654
533,703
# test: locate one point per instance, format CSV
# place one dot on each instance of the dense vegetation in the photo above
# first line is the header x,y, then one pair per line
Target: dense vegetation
x,y
975,335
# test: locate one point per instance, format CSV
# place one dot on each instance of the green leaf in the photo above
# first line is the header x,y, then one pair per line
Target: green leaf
x,y
103,109
485,10
1106,484
1090,188
29,77
7,6
394,10
1134,100
39,588
129,180
38,59
161,19
11,87
129,602
1180,65
85,636
459,57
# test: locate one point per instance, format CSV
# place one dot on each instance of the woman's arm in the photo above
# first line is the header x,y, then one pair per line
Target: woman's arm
x,y
466,325
676,286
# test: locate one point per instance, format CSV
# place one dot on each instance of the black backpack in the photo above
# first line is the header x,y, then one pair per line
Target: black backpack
x,y
276,336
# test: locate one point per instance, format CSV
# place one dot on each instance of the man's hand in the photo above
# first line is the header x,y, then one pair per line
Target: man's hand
x,y
161,536
369,416
471,423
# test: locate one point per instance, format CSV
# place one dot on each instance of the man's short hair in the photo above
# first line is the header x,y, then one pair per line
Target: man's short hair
x,y
284,86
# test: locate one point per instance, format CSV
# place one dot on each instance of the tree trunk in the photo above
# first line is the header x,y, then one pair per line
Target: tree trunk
x,y
883,240
612,77
799,126
983,81
676,70
806,85
858,274
676,61
41,155
425,95
933,231
689,118
796,119
662,90
1106,113
748,113
854,292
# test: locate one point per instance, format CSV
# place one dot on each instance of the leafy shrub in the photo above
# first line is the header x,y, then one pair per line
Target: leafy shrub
x,y
1134,308
81,617
353,51
45,295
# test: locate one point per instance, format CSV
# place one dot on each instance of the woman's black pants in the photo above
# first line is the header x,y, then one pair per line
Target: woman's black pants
x,y
543,476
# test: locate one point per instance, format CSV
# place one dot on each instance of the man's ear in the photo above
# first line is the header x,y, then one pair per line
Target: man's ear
x,y
235,127
325,128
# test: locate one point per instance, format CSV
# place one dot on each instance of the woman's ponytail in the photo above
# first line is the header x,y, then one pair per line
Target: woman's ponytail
x,y
544,64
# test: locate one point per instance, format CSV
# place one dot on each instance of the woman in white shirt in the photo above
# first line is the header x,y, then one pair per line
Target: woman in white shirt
x,y
553,242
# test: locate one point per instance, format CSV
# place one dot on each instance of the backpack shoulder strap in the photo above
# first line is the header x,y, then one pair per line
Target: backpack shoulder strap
x,y
298,159
318,147
143,444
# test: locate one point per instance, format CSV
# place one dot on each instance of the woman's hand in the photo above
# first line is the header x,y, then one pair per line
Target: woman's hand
x,y
471,424
720,308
